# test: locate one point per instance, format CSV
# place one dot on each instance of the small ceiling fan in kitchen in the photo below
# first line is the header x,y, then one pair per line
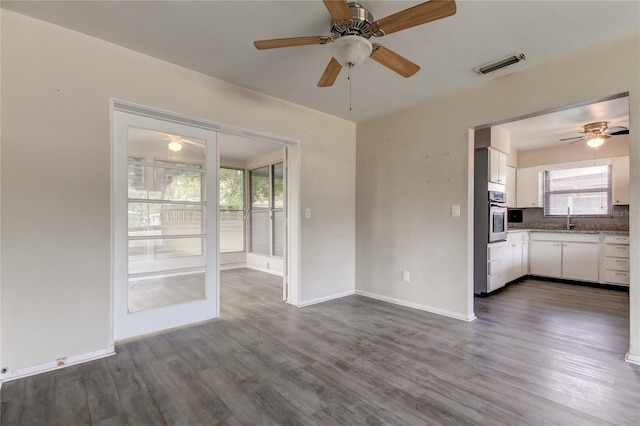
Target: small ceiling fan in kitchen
x,y
351,28
596,133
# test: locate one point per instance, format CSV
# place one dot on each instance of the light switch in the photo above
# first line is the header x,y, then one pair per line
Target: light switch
x,y
307,213
455,210
406,276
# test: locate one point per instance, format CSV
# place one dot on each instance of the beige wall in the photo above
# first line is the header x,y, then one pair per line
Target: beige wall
x,y
412,166
614,147
56,250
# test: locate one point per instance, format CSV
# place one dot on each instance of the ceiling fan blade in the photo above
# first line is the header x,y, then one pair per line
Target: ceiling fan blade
x,y
575,137
338,9
417,15
330,73
393,61
618,130
292,41
582,139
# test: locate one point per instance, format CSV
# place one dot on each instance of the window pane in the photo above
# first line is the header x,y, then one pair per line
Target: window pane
x,y
153,145
260,232
231,231
169,184
581,191
146,219
165,254
588,203
231,189
278,186
278,233
260,188
584,178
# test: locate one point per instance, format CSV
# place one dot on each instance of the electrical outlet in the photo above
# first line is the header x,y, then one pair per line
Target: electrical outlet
x,y
406,276
307,213
455,210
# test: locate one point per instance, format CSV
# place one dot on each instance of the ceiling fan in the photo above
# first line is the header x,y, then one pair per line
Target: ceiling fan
x,y
596,133
351,28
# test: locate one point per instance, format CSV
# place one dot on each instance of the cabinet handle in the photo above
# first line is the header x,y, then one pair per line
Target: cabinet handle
x,y
621,248
556,245
621,274
621,238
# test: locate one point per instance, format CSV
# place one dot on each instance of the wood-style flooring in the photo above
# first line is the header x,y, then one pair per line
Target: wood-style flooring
x,y
540,353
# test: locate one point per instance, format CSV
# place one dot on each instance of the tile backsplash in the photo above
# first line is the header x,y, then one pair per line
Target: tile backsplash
x,y
533,218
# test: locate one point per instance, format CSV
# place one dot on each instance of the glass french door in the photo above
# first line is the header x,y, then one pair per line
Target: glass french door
x,y
165,224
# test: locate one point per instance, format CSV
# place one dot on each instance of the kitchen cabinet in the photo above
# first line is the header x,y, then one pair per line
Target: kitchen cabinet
x,y
529,187
514,256
511,186
620,180
545,258
525,253
497,261
567,256
614,263
580,261
497,166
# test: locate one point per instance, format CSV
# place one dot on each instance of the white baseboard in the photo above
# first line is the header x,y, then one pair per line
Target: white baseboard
x,y
235,265
426,308
53,365
267,270
325,298
632,358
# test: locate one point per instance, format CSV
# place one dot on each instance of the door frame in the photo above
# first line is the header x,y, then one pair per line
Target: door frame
x,y
292,164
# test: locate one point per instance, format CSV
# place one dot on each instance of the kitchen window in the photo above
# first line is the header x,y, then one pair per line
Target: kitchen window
x,y
584,191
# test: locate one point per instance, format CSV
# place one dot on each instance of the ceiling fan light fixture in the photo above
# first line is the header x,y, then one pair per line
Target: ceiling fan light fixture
x,y
174,144
351,50
596,141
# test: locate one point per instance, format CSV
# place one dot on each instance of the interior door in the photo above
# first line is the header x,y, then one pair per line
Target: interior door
x,y
165,206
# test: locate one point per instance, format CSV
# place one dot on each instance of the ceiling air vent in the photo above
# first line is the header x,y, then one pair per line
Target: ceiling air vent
x,y
500,63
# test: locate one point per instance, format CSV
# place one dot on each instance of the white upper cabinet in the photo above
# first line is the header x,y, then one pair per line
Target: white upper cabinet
x,y
511,187
620,180
528,187
497,167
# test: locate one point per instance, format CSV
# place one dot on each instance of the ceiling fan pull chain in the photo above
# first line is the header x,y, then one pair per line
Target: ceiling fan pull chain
x,y
349,78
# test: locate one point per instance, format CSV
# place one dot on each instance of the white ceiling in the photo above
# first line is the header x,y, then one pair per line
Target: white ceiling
x,y
216,38
547,129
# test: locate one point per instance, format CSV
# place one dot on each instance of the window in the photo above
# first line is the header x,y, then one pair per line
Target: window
x,y
231,210
267,210
584,191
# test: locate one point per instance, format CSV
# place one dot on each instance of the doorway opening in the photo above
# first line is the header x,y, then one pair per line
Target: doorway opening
x,y
172,228
567,201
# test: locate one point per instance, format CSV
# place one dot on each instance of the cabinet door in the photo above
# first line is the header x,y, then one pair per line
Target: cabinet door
x,y
620,180
528,187
545,258
497,166
580,261
517,261
511,186
525,257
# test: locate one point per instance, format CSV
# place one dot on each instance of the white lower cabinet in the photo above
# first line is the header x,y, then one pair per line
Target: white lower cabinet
x,y
567,256
545,258
580,261
615,260
506,260
497,261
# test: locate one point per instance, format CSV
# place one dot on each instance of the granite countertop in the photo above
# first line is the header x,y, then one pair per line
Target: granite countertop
x,y
572,231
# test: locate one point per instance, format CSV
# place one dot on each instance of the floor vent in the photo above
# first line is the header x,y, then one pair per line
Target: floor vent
x,y
500,63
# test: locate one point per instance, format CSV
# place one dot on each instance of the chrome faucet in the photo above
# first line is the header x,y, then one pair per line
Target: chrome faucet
x,y
569,224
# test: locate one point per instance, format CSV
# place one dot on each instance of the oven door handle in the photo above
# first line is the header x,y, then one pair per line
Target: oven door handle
x,y
498,205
